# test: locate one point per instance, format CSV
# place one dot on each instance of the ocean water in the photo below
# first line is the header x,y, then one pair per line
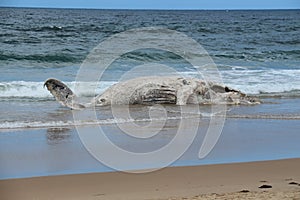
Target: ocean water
x,y
257,52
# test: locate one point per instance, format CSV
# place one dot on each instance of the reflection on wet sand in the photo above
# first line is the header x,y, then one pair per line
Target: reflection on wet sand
x,y
56,135
60,114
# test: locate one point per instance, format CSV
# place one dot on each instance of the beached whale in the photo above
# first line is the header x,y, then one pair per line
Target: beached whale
x,y
154,90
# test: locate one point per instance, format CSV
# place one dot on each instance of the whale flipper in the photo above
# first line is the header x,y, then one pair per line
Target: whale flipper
x,y
62,93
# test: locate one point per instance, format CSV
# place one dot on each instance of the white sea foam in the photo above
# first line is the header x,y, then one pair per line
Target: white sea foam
x,y
23,89
36,89
263,81
259,81
62,124
65,124
249,81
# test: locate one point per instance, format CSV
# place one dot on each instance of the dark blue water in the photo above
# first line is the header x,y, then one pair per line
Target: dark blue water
x,y
38,41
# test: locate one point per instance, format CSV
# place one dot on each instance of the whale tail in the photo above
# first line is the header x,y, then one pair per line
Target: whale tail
x,y
63,94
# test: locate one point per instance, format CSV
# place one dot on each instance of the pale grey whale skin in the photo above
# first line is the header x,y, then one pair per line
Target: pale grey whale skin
x,y
154,90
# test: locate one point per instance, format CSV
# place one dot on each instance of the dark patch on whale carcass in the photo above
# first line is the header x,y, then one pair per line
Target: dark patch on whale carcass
x,y
62,93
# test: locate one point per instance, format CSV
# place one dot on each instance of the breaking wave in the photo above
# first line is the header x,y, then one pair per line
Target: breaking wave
x,y
258,82
36,90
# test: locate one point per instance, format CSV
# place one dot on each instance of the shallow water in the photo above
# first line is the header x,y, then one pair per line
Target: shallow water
x,y
57,151
250,133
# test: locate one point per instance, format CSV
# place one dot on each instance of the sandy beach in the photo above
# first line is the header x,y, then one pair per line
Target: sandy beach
x,y
280,178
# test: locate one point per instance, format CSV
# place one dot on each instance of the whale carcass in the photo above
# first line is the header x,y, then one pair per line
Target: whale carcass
x,y
154,90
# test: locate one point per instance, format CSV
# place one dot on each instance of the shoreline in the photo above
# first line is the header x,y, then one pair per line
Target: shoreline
x,y
58,151
191,182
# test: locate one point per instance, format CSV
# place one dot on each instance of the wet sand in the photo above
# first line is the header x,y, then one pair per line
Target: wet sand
x,y
222,181
52,163
59,151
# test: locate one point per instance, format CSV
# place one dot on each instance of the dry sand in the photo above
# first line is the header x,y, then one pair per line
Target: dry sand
x,y
224,181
